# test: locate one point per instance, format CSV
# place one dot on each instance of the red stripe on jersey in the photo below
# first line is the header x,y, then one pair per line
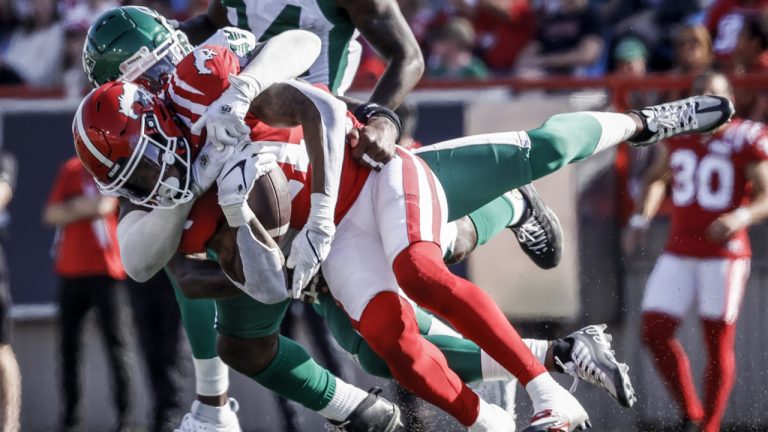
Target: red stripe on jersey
x,y
436,211
411,191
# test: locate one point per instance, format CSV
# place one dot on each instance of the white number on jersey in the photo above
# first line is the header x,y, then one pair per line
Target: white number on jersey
x,y
707,181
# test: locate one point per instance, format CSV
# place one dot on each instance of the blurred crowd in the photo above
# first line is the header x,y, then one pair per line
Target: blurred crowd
x,y
41,40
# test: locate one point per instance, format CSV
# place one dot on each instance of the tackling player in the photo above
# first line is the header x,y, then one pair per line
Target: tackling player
x,y
719,188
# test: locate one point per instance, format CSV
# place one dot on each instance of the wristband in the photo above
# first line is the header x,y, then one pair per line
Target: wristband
x,y
368,110
638,221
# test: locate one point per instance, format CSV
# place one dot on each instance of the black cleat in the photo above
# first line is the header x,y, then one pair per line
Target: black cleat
x,y
539,234
373,414
696,114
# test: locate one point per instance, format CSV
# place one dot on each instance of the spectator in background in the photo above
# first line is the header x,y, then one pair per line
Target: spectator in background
x,y
451,55
569,40
751,56
630,58
10,377
725,21
35,48
87,261
504,28
693,48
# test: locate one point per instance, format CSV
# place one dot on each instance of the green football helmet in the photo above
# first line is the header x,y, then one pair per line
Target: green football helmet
x,y
135,44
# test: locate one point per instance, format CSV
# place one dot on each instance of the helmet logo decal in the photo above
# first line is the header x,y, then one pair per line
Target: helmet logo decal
x,y
126,100
202,56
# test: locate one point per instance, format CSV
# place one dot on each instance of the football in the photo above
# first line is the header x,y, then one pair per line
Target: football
x,y
271,203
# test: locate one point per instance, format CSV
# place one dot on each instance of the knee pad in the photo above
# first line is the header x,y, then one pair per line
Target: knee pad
x,y
388,325
422,274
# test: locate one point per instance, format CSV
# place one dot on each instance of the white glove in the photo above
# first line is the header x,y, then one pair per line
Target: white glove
x,y
237,178
207,166
312,244
224,120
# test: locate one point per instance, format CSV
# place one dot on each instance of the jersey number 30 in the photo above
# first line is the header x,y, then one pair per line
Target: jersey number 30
x,y
707,181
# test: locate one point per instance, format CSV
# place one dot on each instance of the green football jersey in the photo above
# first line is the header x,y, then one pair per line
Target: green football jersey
x,y
322,17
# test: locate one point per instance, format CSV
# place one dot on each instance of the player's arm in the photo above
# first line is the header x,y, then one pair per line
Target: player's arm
x,y
730,223
652,190
77,209
201,27
382,24
148,238
384,27
199,278
8,175
323,118
224,118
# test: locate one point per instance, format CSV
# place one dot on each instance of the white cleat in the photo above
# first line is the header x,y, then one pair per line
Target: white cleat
x,y
227,419
555,410
593,360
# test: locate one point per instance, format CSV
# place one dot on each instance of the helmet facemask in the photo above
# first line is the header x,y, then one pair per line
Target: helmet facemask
x,y
151,68
157,175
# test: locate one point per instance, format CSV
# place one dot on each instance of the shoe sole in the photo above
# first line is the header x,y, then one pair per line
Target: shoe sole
x,y
540,207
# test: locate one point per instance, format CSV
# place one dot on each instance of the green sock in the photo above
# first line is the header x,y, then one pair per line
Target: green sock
x,y
563,139
198,317
492,218
295,376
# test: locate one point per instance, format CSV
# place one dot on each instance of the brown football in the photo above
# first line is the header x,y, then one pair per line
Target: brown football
x,y
270,201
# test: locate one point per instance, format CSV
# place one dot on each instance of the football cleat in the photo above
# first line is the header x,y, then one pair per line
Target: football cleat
x,y
550,421
539,234
592,360
193,423
373,414
696,114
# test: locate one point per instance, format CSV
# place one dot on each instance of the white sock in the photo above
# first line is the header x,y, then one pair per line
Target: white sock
x,y
519,205
345,399
616,128
542,389
538,348
211,376
217,415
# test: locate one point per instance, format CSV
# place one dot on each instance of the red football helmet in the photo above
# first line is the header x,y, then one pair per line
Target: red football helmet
x,y
131,144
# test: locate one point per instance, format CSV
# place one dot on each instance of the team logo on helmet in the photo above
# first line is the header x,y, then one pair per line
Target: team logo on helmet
x,y
202,56
130,96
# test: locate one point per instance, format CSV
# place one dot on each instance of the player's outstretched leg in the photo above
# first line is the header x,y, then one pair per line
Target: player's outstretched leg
x,y
475,170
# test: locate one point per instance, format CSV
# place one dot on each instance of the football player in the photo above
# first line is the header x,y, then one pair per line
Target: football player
x,y
338,24
719,188
626,120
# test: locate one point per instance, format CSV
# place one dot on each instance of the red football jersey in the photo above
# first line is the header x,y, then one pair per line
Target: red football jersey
x,y
200,78
709,180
